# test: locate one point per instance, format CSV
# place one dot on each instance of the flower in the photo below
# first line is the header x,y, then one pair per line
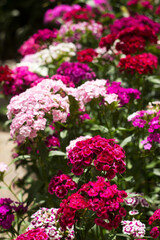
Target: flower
x,y
124,94
132,21
7,210
142,63
150,120
155,232
46,220
100,197
86,55
31,108
135,228
37,41
99,152
35,234
76,32
80,14
57,12
155,217
22,79
3,167
5,74
61,184
63,51
76,71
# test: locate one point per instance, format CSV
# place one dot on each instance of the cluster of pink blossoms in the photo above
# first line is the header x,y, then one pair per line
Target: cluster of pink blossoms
x,y
35,234
91,90
100,197
61,184
33,108
56,13
134,228
38,41
155,220
103,154
124,94
73,32
150,120
21,79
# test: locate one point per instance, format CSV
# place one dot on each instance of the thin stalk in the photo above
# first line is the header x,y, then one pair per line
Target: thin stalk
x,y
11,190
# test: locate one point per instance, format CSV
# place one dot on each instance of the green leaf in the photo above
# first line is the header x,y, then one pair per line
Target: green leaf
x,y
100,128
156,171
56,153
63,134
154,80
22,157
126,141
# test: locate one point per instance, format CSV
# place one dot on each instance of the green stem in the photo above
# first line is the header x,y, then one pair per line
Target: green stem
x,y
101,233
10,189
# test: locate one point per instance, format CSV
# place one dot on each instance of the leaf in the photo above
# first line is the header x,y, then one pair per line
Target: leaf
x,y
126,141
56,153
100,128
22,157
156,171
63,134
154,80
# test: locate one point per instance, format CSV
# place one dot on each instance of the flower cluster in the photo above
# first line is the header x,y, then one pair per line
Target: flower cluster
x,y
61,184
137,199
52,142
100,197
130,40
21,79
62,51
93,90
35,234
38,41
155,220
143,63
32,108
65,79
76,71
131,21
107,41
142,3
134,39
86,55
5,74
75,32
7,210
124,94
134,228
80,14
45,219
150,120
103,154
56,13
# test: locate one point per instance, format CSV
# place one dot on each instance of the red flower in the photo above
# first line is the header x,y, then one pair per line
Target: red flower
x,y
86,55
141,63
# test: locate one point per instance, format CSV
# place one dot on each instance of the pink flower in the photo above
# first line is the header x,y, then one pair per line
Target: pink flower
x,y
155,232
36,234
3,167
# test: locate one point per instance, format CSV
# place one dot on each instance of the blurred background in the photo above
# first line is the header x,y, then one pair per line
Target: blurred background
x,y
20,19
